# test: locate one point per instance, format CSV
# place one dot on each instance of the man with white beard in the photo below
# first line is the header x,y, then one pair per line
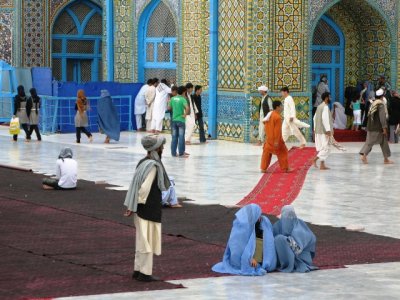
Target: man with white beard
x,y
160,106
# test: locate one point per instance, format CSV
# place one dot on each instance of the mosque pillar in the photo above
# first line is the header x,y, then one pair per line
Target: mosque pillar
x,y
110,39
213,70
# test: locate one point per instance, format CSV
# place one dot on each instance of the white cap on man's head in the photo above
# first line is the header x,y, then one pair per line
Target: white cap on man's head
x,y
263,88
380,92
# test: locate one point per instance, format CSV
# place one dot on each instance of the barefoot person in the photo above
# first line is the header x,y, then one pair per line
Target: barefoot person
x,y
274,143
265,107
66,173
144,199
291,124
323,128
377,129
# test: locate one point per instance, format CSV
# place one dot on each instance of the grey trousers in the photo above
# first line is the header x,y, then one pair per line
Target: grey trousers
x,y
366,149
394,138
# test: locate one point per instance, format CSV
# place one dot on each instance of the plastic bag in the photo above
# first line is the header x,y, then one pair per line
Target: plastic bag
x,y
14,126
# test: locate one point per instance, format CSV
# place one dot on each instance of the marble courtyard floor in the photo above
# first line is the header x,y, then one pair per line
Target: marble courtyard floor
x,y
350,194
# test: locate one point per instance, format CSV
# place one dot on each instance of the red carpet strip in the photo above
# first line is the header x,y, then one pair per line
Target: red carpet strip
x,y
350,135
276,188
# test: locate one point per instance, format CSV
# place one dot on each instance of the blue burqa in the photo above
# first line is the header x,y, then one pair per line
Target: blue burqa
x,y
108,118
294,243
242,245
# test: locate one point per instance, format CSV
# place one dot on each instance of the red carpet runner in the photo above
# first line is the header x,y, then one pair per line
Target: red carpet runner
x,y
277,189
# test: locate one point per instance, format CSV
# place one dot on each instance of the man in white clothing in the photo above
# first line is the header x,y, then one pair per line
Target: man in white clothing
x,y
150,96
323,129
160,106
191,117
291,124
140,104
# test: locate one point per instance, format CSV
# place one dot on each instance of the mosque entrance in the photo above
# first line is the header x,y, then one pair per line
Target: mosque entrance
x,y
352,41
328,57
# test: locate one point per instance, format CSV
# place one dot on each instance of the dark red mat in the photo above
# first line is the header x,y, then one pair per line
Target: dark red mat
x,y
276,188
77,242
350,135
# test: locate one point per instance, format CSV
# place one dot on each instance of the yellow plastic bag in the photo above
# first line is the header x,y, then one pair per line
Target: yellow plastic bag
x,y
14,126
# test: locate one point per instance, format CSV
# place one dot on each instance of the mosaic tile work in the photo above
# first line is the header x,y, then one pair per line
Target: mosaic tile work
x,y
388,7
6,38
343,18
6,3
56,6
173,4
123,40
232,44
302,108
261,45
34,26
288,44
195,42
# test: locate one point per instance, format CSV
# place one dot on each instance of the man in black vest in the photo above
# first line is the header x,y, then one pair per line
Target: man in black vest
x,y
144,199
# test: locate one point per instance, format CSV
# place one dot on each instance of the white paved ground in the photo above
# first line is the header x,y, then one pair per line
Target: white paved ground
x,y
365,196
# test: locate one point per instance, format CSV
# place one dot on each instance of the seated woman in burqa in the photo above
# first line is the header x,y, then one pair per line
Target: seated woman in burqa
x,y
294,243
250,250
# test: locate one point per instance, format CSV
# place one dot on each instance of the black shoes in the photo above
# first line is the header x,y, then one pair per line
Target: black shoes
x,y
144,278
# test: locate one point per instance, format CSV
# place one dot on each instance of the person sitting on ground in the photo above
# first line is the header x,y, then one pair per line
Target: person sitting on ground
x,y
294,243
169,198
250,250
66,173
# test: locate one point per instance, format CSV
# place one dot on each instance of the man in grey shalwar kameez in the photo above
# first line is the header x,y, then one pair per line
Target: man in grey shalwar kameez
x,y
377,129
144,201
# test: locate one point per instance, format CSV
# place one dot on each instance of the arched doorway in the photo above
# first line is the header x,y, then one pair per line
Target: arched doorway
x,y
328,56
369,43
157,43
76,43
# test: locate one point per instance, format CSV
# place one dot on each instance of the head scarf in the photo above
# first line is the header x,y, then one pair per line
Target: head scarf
x,y
104,94
35,98
21,91
65,153
151,143
81,94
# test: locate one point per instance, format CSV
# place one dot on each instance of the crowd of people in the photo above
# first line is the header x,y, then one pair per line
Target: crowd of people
x,y
184,104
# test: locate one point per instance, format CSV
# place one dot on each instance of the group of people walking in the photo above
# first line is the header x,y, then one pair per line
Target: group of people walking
x,y
184,104
274,132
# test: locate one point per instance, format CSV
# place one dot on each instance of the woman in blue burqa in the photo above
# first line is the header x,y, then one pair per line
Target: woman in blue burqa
x,y
294,243
250,250
108,118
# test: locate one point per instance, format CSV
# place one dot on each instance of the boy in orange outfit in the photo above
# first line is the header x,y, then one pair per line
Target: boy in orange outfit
x,y
274,143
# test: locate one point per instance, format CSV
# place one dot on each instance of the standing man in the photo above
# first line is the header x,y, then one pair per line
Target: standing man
x,y
377,129
265,107
180,109
198,89
144,200
150,96
141,105
274,143
160,106
322,88
291,124
323,129
191,117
